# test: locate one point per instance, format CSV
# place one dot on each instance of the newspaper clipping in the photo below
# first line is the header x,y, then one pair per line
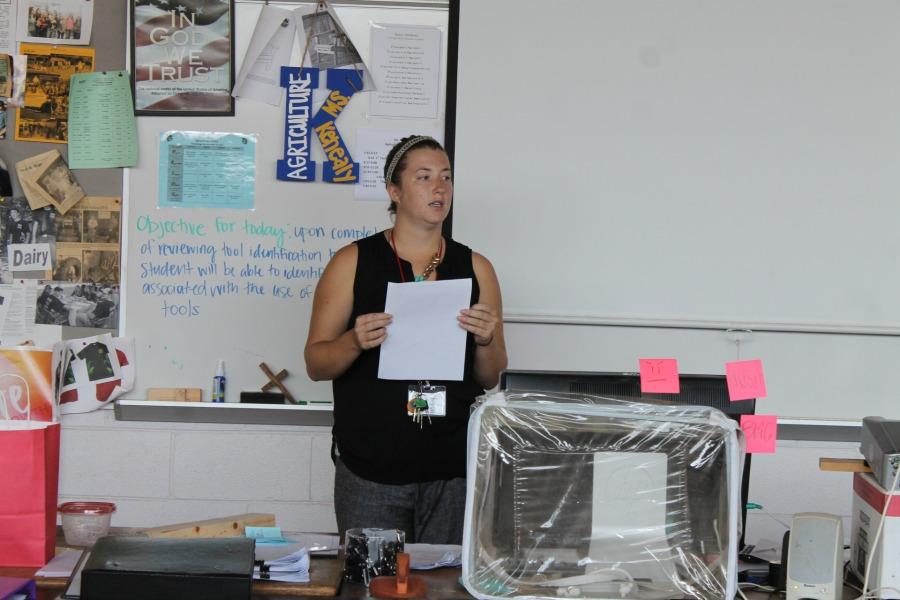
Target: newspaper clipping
x,y
78,305
87,242
44,118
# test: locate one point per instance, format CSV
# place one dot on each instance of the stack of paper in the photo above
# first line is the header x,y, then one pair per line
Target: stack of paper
x,y
270,543
60,565
293,568
433,556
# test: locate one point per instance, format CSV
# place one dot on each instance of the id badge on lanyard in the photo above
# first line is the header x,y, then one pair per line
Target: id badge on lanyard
x,y
424,401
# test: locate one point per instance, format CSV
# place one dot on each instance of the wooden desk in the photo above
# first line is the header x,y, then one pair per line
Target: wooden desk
x,y
443,584
325,575
325,582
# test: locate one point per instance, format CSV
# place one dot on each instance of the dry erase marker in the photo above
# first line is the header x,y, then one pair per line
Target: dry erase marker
x,y
218,387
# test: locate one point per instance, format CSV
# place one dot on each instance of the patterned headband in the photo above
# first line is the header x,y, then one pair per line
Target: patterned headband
x,y
403,150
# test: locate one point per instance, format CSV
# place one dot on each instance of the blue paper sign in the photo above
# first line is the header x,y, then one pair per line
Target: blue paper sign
x,y
296,164
201,169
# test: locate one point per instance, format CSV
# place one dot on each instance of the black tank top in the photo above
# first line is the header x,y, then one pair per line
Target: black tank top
x,y
375,438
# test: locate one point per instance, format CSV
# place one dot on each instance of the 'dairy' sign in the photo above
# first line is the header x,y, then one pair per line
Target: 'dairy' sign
x,y
29,257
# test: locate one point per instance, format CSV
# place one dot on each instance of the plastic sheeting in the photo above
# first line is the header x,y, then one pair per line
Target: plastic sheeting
x,y
579,496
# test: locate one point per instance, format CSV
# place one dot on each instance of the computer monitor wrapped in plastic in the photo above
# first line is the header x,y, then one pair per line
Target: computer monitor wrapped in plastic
x,y
575,496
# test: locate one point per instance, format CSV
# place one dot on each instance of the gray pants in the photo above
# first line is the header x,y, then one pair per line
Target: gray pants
x,y
429,513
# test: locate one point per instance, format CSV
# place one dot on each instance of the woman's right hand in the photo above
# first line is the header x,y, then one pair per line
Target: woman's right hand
x,y
370,330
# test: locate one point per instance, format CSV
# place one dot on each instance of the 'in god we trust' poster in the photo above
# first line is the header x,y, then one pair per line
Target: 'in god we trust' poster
x,y
183,58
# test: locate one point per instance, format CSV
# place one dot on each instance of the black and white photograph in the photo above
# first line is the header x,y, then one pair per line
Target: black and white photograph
x,y
5,181
68,266
60,184
68,227
101,266
55,21
17,223
101,227
87,241
328,45
45,224
6,76
78,305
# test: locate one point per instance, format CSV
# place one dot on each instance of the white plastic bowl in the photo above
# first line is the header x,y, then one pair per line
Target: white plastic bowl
x,y
84,523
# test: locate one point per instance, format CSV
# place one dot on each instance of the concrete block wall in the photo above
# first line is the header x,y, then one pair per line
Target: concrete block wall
x,y
160,473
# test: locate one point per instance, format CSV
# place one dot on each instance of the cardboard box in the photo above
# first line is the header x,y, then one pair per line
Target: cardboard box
x,y
869,500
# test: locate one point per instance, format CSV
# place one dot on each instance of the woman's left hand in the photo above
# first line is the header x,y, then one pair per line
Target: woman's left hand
x,y
481,320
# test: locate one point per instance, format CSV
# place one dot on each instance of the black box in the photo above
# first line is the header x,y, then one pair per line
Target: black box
x,y
262,398
140,568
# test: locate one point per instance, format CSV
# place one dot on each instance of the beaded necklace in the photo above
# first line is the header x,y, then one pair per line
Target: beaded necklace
x,y
429,269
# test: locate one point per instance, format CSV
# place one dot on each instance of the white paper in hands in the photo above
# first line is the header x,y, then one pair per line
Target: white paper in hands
x,y
425,340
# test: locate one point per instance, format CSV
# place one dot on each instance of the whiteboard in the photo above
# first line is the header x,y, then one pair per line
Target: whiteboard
x,y
180,347
691,161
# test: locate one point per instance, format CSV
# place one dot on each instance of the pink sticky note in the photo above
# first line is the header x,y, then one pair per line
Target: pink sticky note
x,y
745,380
760,432
659,376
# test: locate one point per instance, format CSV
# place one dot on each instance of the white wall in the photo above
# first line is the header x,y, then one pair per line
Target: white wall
x,y
161,473
808,375
790,481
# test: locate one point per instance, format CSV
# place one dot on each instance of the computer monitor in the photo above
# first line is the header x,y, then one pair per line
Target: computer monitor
x,y
696,390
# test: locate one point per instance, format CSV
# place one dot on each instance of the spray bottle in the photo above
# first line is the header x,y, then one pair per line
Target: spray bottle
x,y
218,387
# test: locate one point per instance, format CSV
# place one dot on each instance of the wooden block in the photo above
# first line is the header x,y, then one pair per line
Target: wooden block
x,y
844,465
175,394
222,527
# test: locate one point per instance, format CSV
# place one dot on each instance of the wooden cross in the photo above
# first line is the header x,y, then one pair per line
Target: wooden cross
x,y
275,382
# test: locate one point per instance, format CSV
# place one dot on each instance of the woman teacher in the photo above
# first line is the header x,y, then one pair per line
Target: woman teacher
x,y
392,468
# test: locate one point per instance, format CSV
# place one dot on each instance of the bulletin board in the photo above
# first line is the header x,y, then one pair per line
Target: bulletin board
x,y
247,276
107,43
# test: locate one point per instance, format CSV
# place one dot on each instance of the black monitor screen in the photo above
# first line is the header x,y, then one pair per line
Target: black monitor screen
x,y
696,390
